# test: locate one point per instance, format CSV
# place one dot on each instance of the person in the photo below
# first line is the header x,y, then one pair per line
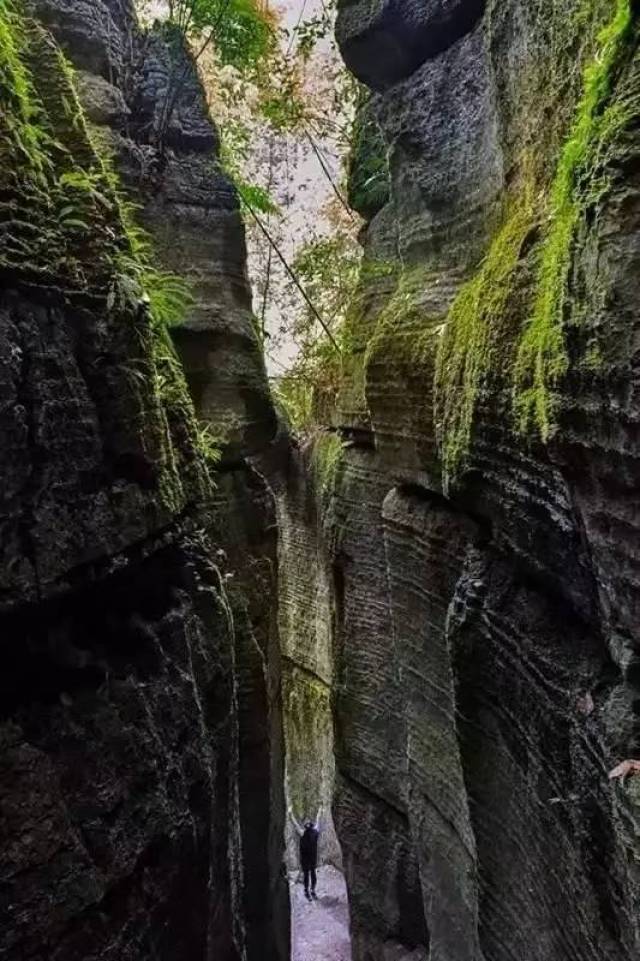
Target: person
x,y
308,832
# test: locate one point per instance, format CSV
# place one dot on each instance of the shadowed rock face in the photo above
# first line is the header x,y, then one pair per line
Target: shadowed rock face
x,y
385,41
485,642
119,763
471,632
144,94
192,211
140,742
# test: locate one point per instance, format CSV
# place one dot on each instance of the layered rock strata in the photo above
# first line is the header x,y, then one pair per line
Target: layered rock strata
x,y
480,537
306,617
142,810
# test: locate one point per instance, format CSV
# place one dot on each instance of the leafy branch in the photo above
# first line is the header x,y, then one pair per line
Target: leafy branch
x,y
241,33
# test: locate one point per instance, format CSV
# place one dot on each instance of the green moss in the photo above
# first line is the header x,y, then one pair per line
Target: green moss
x,y
326,458
308,734
480,351
485,351
68,228
403,330
386,323
293,393
471,344
580,181
364,329
68,223
368,172
350,372
58,209
327,378
23,136
169,296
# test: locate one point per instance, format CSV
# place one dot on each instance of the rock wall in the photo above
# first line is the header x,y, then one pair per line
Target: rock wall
x,y
306,614
142,808
479,543
434,606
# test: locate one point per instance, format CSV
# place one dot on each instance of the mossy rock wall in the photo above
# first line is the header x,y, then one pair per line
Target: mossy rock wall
x,y
306,622
482,537
142,808
546,149
310,770
98,362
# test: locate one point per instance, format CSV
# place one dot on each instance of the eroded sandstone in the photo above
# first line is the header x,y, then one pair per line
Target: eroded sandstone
x,y
142,810
485,646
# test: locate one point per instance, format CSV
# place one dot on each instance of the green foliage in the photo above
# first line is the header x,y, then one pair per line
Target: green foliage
x,y
168,295
66,224
281,101
326,458
280,77
210,444
25,138
471,346
313,30
243,32
580,182
483,345
255,197
47,166
368,171
376,316
307,391
235,152
329,269
240,33
269,96
83,190
240,30
165,376
294,394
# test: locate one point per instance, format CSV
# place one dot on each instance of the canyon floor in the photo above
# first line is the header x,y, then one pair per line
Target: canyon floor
x,y
320,929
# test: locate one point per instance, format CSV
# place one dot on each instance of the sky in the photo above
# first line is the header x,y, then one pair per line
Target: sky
x,y
308,186
302,190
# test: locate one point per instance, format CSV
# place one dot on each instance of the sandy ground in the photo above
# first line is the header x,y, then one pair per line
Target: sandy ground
x,y
320,929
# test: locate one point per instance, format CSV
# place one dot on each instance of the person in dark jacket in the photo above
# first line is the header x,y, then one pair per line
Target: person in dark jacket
x,y
308,831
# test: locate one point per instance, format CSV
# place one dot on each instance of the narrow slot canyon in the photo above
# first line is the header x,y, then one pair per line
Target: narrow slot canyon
x,y
319,480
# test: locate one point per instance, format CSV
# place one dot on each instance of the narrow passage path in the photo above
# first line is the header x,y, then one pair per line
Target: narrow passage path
x,y
320,929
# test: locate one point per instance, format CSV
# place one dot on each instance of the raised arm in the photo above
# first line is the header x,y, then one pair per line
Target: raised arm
x,y
318,816
295,823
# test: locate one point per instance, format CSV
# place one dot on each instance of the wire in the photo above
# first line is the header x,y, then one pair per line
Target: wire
x,y
312,307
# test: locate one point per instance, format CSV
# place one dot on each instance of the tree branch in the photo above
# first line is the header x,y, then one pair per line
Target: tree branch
x,y
327,173
314,310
